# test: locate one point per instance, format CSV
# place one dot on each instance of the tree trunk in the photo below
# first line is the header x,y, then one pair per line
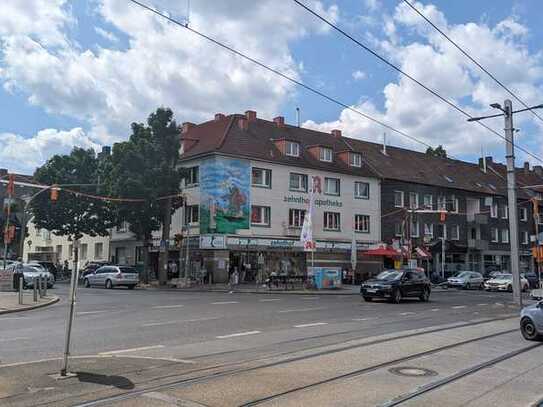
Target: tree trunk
x,y
165,246
146,260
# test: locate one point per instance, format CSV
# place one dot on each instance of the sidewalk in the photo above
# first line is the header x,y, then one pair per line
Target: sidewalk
x,y
9,302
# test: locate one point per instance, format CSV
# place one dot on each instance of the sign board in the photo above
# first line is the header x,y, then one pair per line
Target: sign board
x,y
325,277
6,280
212,242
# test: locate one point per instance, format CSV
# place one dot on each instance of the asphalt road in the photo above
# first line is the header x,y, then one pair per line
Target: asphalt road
x,y
224,327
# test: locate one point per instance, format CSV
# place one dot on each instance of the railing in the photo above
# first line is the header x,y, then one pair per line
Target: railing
x,y
478,218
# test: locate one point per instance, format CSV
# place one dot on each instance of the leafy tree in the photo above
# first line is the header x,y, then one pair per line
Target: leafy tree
x,y
439,151
145,169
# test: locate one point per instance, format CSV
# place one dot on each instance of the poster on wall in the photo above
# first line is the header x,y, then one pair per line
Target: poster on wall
x,y
225,185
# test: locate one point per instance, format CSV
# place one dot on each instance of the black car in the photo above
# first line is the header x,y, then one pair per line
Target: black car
x,y
49,266
397,284
532,278
91,267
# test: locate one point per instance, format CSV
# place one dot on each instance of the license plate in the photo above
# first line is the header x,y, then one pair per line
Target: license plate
x,y
371,290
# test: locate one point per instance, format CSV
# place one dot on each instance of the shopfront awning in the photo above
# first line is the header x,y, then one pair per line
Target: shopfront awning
x,y
381,251
422,253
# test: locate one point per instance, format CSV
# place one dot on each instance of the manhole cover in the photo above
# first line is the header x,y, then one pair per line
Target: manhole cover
x,y
412,371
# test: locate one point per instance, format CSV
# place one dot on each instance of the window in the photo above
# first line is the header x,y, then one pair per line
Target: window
x,y
398,229
325,154
362,223
261,178
428,230
494,210
505,235
415,228
355,160
455,232
428,201
449,179
332,221
98,250
331,186
59,251
298,182
260,215
140,251
523,214
292,149
494,235
191,214
38,232
71,251
413,200
193,176
525,237
296,218
442,203
398,199
123,227
452,204
361,190
504,212
83,251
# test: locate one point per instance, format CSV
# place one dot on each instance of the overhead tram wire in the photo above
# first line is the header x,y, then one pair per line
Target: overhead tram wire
x,y
433,92
281,74
467,55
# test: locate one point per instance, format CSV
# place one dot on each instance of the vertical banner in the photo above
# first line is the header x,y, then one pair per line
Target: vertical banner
x,y
306,237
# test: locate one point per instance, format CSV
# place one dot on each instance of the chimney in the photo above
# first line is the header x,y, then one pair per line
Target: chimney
x,y
482,164
250,115
219,116
279,121
186,127
336,133
298,119
538,170
526,167
243,123
488,160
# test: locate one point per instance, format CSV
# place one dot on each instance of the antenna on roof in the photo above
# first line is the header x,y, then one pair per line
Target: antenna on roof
x,y
484,158
187,19
298,116
384,151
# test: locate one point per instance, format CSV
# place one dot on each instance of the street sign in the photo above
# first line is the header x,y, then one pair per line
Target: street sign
x,y
212,242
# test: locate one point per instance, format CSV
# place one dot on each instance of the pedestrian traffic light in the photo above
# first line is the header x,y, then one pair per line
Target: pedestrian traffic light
x,y
443,216
54,194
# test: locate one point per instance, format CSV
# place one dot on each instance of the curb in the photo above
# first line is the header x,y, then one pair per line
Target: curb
x,y
53,300
263,292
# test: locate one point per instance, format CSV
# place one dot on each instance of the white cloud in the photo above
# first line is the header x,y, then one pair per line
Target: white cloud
x,y
372,5
24,154
106,34
359,75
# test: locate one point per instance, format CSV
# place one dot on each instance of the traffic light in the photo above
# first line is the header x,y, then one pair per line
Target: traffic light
x,y
443,216
54,194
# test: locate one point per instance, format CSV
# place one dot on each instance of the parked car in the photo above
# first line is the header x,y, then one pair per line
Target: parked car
x,y
467,280
397,284
532,278
31,271
113,276
46,265
504,282
531,321
92,267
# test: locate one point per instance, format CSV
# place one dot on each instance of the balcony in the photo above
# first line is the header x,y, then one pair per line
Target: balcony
x,y
478,244
477,218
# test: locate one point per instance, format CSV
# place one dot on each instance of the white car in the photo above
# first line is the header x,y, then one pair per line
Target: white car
x,y
467,280
504,282
32,271
113,276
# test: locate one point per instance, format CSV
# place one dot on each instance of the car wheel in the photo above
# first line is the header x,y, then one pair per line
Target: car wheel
x,y
510,288
425,296
528,330
131,287
109,284
87,283
396,296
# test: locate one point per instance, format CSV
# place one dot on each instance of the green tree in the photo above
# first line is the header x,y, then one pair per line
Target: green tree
x,y
439,151
145,169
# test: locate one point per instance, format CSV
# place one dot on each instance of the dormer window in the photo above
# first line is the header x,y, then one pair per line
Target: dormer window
x,y
449,179
355,160
292,149
326,154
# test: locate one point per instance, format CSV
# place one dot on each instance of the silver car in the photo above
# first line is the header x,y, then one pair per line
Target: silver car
x,y
31,272
531,321
467,280
113,276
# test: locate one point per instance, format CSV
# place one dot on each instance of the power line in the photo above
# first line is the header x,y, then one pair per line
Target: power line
x,y
390,64
472,59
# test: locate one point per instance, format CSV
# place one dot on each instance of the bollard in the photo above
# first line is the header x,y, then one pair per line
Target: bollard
x,y
35,288
45,287
21,290
40,292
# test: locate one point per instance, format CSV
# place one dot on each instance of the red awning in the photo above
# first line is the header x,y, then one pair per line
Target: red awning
x,y
423,253
382,252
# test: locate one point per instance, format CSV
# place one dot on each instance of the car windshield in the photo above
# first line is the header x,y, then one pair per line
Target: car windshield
x,y
503,276
389,275
463,274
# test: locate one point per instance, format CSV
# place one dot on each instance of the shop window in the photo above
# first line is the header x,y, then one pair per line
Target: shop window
x,y
298,182
332,221
362,223
296,218
260,215
361,190
331,186
261,177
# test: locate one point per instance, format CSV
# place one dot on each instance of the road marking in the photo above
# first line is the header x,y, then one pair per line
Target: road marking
x,y
21,338
113,352
499,304
482,304
362,319
301,309
162,397
435,309
238,334
225,302
90,312
168,306
408,313
270,299
313,324
8,318
310,298
459,307
179,322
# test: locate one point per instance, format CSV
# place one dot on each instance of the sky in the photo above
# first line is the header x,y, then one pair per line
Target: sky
x,y
78,73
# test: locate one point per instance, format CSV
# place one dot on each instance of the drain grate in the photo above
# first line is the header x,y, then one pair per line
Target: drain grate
x,y
412,371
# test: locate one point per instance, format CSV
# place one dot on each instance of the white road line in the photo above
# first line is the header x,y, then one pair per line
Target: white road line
x,y
459,306
310,298
238,334
8,318
270,299
362,319
224,302
313,324
179,322
21,338
167,306
90,312
113,352
301,309
499,304
408,313
435,309
482,304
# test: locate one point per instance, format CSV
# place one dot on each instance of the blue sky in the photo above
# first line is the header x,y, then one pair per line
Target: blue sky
x,y
79,72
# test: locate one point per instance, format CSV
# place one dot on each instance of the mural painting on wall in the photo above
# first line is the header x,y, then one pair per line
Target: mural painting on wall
x,y
224,195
